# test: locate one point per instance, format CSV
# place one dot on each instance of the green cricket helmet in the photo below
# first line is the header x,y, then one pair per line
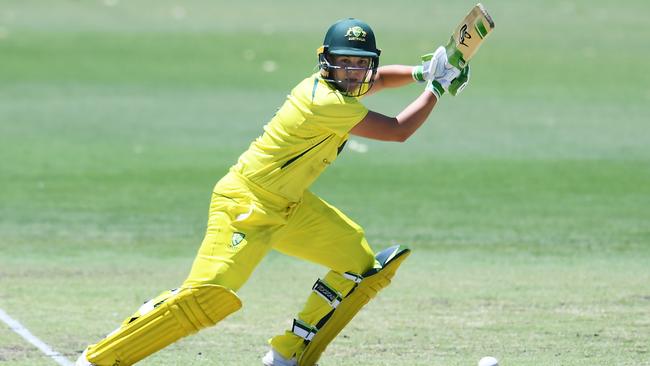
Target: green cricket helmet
x,y
349,37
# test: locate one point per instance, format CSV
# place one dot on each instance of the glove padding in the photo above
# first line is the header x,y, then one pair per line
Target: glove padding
x,y
433,64
458,84
441,83
451,80
440,75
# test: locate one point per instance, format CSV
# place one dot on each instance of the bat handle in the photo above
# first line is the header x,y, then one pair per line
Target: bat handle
x,y
454,55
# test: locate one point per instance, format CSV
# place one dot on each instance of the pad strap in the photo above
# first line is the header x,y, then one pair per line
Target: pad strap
x,y
366,288
303,330
353,277
328,293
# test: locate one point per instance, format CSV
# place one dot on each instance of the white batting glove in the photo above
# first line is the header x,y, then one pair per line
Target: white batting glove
x,y
443,78
433,65
458,84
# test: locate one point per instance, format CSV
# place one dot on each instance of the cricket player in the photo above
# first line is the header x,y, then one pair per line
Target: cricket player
x,y
263,203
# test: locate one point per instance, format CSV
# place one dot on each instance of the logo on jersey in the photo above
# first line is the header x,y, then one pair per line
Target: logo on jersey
x,y
237,238
356,33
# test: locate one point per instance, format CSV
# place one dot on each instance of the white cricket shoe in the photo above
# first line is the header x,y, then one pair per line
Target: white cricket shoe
x,y
82,360
273,358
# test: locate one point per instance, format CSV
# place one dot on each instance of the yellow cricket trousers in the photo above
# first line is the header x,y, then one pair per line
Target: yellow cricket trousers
x,y
246,222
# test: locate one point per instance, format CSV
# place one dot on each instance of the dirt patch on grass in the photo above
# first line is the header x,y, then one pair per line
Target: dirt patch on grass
x,y
14,352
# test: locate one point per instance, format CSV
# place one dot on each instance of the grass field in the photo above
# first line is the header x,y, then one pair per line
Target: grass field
x,y
526,200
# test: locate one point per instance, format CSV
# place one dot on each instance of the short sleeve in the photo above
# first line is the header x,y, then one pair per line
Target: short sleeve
x,y
337,113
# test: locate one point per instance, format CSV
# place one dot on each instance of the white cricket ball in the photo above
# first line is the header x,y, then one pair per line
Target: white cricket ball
x,y
488,361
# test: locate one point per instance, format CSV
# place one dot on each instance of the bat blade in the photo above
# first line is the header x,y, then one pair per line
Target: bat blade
x,y
469,35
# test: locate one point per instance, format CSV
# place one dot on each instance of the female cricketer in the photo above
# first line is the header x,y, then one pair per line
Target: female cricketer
x,y
263,203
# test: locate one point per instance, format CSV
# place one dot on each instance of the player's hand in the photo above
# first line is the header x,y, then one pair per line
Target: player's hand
x,y
432,64
443,79
459,83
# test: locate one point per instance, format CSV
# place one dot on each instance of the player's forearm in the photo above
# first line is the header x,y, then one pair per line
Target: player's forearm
x,y
414,115
377,126
394,76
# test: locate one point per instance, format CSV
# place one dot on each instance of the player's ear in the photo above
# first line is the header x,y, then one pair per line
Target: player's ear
x,y
323,62
324,73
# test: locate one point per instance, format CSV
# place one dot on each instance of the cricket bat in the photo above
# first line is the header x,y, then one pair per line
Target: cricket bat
x,y
468,36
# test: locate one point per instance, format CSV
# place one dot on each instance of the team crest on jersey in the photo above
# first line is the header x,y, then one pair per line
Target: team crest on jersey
x,y
237,238
356,33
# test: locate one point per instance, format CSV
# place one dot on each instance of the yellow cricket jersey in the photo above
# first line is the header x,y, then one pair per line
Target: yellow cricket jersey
x,y
302,139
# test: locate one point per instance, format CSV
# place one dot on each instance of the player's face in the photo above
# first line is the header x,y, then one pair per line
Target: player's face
x,y
351,71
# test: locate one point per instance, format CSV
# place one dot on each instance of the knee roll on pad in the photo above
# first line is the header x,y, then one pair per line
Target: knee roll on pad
x,y
343,310
162,321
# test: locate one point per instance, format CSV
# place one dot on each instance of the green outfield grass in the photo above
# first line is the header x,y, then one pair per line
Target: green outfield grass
x,y
526,200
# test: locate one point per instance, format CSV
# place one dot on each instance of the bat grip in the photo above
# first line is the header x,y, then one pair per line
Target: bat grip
x,y
454,56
